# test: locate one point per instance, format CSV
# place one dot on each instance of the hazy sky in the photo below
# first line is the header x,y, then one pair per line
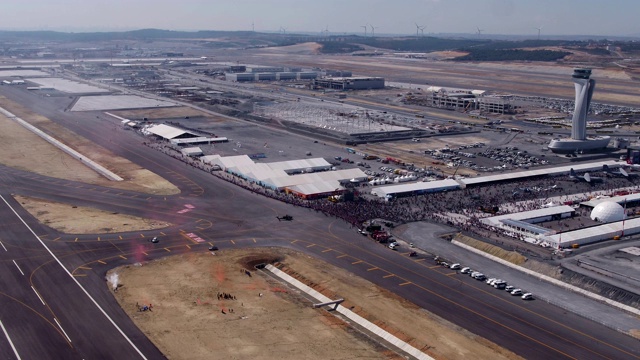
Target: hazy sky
x,y
557,17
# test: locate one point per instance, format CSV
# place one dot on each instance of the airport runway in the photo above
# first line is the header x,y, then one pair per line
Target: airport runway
x,y
57,319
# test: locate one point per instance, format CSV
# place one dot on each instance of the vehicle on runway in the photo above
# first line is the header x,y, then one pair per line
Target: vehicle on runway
x,y
586,177
155,240
285,218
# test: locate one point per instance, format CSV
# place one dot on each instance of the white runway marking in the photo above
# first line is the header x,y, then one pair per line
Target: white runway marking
x,y
16,264
38,295
10,342
60,326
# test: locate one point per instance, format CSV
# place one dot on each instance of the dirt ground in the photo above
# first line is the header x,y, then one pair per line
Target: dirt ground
x,y
22,149
73,219
187,322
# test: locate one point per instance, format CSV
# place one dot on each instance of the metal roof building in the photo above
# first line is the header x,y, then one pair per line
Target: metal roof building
x,y
531,216
594,234
192,151
415,188
168,132
560,170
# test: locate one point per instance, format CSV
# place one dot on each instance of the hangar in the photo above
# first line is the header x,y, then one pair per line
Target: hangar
x,y
179,136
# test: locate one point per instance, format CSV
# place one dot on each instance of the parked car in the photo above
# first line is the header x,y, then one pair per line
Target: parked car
x,y
465,270
480,277
515,292
500,285
527,296
455,266
155,240
509,288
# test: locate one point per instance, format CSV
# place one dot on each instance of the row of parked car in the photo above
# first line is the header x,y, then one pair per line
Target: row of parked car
x,y
495,282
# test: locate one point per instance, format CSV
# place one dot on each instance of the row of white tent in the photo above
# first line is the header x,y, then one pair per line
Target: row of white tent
x,y
313,180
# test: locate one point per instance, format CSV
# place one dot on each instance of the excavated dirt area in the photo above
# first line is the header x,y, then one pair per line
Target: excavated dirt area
x,y
189,321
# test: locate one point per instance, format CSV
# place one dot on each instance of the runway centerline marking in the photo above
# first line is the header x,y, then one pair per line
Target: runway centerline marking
x,y
16,264
6,334
373,268
38,295
357,262
388,276
341,256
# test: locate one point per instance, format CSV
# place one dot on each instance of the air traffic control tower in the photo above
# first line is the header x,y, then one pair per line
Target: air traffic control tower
x,y
579,140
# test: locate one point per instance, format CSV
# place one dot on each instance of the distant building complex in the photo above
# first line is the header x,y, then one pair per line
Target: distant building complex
x,y
579,140
349,83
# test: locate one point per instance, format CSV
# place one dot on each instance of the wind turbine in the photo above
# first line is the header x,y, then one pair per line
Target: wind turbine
x,y
373,30
253,27
419,29
326,31
539,28
365,29
284,30
479,32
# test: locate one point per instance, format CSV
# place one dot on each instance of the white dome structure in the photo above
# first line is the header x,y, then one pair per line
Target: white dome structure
x,y
607,211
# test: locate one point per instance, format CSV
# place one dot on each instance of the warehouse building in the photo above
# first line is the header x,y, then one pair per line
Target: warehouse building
x,y
349,83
